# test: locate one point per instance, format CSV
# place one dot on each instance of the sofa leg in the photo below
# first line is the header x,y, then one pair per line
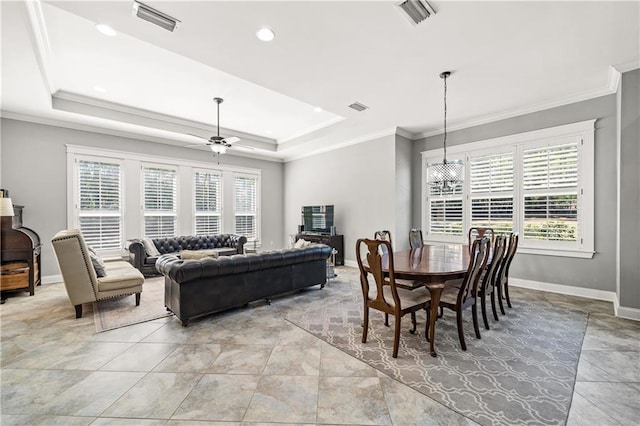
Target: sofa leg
x,y
267,300
322,285
185,323
78,311
137,299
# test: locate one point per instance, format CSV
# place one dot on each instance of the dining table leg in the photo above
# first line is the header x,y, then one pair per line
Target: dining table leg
x,y
435,290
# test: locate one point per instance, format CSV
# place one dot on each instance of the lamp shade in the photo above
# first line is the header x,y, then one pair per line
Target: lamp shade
x,y
6,207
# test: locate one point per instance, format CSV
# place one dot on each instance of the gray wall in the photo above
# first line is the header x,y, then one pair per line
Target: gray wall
x,y
403,193
34,170
630,190
359,180
596,273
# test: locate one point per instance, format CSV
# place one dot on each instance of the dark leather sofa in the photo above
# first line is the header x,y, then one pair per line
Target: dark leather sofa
x,y
224,244
194,288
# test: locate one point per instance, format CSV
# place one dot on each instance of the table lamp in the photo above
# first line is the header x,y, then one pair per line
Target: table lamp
x,y
6,212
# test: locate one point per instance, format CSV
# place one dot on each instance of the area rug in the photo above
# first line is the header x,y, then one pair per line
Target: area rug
x,y
522,371
122,311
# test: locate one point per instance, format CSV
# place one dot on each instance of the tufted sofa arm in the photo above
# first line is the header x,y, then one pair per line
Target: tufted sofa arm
x,y
183,271
225,244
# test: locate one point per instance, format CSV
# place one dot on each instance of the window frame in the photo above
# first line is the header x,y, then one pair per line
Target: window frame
x,y
75,210
582,132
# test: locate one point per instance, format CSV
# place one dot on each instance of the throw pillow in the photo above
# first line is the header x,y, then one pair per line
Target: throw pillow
x,y
197,254
98,263
302,243
150,248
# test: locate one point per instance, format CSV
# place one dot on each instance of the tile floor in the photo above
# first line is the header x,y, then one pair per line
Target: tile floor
x,y
250,366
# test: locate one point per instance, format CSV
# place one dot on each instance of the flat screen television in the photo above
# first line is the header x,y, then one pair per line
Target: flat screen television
x,y
317,219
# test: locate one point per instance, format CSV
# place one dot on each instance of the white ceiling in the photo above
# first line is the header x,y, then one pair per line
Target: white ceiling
x,y
507,58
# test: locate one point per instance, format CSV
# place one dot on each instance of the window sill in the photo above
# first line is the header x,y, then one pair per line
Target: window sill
x,y
555,252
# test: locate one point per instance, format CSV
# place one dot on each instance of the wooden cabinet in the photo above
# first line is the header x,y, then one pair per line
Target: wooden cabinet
x,y
335,241
19,255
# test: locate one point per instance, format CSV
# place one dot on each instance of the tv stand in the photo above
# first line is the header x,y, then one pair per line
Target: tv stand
x,y
335,241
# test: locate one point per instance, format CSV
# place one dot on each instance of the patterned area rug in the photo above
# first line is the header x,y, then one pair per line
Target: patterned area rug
x,y
522,371
122,311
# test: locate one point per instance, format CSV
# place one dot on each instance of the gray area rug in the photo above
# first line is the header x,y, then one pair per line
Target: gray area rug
x,y
122,311
522,371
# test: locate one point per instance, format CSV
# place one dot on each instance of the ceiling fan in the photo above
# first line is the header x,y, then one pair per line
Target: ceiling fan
x,y
218,144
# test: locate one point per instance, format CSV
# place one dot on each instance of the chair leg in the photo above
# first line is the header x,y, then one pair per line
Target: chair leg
x,y
441,312
500,300
78,311
474,312
396,336
460,331
426,327
506,292
493,306
414,323
483,300
386,319
365,325
137,299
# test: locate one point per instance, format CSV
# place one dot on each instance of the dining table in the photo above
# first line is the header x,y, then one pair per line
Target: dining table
x,y
433,265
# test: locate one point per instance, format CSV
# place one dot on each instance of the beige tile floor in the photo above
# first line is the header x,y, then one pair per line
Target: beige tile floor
x,y
249,366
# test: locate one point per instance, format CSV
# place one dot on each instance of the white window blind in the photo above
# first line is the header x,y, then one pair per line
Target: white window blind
x,y
100,205
245,190
491,187
160,211
550,187
446,216
208,202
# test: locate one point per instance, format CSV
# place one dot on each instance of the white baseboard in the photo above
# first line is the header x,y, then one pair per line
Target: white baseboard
x,y
51,279
625,312
351,263
589,293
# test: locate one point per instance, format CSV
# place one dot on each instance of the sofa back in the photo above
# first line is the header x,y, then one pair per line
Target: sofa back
x,y
199,242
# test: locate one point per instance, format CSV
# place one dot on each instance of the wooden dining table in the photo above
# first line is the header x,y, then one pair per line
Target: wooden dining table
x,y
433,265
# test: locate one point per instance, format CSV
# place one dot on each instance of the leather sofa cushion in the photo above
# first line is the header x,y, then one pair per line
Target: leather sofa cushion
x,y
197,254
203,242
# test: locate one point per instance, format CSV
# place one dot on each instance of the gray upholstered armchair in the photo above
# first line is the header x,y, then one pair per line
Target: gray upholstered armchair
x,y
80,278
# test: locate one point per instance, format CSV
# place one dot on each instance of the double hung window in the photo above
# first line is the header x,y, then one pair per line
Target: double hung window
x,y
245,190
160,201
207,187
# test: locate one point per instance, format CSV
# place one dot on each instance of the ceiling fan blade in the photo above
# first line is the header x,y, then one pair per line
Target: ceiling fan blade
x,y
198,136
198,144
231,140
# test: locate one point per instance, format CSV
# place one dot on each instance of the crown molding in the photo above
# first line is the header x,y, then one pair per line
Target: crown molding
x,y
567,100
119,133
41,42
628,66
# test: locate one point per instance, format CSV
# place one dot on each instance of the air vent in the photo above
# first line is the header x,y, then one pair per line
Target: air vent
x,y
358,106
416,10
154,16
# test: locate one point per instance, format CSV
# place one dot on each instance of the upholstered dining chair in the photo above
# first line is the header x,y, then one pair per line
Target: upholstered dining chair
x,y
480,232
382,294
502,280
489,280
415,238
459,298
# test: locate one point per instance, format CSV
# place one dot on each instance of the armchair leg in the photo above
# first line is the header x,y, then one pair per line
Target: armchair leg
x,y
78,311
137,299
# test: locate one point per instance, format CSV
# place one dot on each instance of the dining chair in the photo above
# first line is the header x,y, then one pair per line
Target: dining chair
x,y
489,280
459,298
383,236
480,232
415,238
502,282
384,295
409,285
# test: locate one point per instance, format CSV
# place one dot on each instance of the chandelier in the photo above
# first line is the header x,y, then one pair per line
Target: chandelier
x,y
445,176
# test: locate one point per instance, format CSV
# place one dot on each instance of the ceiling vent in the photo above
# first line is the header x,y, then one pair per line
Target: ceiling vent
x,y
154,16
358,106
416,10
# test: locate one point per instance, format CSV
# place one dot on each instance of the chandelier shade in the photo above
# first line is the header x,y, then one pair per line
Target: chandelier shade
x,y
447,175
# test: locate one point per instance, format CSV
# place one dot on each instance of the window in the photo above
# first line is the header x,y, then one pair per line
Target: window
x,y
539,184
160,201
207,186
99,203
246,205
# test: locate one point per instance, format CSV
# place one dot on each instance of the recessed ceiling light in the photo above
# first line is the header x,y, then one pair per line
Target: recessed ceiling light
x,y
99,89
317,109
106,30
265,34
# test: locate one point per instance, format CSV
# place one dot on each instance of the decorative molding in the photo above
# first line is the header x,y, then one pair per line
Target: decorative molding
x,y
405,134
521,111
41,40
628,66
615,77
589,293
625,312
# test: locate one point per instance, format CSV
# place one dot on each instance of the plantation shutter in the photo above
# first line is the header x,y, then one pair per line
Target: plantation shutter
x,y
207,200
550,187
245,205
100,204
160,213
491,191
445,216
